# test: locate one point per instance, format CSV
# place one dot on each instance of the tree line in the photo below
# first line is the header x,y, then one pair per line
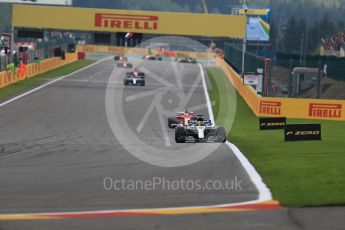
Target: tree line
x,y
300,20
290,36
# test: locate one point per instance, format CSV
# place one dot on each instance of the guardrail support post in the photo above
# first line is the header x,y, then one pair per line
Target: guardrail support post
x,y
318,85
290,79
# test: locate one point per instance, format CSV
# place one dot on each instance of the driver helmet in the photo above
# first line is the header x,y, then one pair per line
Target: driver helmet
x,y
136,71
200,122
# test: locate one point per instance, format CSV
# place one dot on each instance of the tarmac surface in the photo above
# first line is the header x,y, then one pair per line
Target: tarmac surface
x,y
59,152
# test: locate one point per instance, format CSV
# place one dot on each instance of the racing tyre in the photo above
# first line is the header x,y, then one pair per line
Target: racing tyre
x,y
220,134
130,66
171,122
180,136
125,82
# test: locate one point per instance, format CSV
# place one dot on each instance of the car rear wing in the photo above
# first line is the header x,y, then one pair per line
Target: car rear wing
x,y
130,74
208,123
181,113
194,122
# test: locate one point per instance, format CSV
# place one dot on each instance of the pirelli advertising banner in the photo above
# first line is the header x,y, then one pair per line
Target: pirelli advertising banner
x,y
302,108
87,19
284,107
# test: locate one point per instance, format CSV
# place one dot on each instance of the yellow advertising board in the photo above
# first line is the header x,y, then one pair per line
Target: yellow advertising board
x,y
302,108
33,69
285,107
254,12
141,51
87,19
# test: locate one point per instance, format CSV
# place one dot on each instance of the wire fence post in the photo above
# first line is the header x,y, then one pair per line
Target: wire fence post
x,y
290,79
318,85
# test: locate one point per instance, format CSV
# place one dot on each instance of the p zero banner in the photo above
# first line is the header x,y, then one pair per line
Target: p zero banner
x,y
86,19
267,123
302,132
284,107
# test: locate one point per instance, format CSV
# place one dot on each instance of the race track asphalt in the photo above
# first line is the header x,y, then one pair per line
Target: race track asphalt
x,y
57,146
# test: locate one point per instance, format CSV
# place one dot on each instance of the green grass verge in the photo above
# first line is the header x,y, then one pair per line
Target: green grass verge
x,y
29,83
310,173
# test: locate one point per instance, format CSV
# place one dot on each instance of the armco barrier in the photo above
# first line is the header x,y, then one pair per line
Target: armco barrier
x,y
284,107
31,70
140,51
246,91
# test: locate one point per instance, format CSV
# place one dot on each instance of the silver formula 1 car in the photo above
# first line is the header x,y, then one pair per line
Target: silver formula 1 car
x,y
200,130
186,60
152,57
119,58
134,78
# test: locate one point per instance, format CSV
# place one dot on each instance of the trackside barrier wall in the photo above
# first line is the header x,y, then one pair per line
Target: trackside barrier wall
x,y
284,107
33,69
140,51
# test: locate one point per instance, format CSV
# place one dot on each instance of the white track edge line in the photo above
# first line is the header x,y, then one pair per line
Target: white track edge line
x,y
264,192
209,105
51,82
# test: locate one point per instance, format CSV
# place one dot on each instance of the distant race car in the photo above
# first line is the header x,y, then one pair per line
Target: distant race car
x,y
182,118
134,78
186,60
200,130
123,63
153,57
119,58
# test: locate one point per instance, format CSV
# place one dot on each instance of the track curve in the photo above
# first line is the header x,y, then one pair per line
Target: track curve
x,y
57,148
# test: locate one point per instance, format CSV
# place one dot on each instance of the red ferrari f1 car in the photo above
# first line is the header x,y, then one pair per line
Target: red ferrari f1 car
x,y
182,118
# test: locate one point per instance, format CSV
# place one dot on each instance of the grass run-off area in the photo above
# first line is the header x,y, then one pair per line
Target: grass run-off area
x,y
29,83
308,173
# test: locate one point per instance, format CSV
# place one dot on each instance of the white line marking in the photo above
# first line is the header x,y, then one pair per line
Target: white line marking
x,y
264,192
209,105
51,82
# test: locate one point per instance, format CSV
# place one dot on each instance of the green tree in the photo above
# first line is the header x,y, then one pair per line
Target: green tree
x,y
291,38
341,26
327,26
5,17
315,38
